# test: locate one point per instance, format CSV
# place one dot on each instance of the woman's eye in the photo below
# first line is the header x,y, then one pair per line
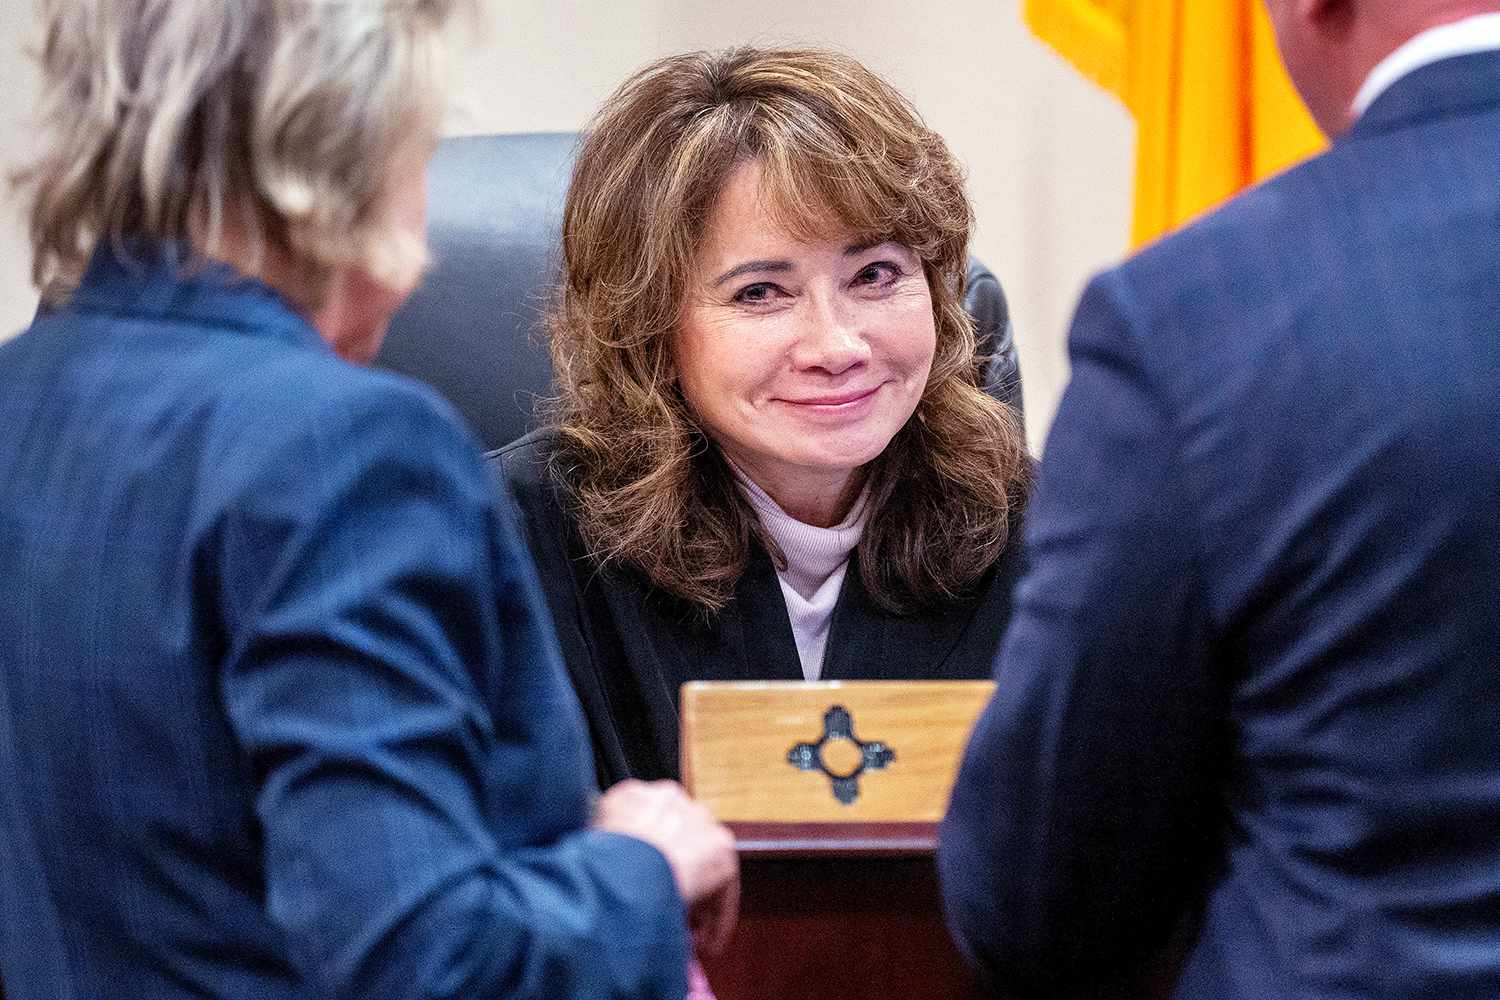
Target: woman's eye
x,y
759,292
880,273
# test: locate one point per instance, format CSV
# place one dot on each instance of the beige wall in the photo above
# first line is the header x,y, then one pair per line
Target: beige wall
x,y
1048,154
17,99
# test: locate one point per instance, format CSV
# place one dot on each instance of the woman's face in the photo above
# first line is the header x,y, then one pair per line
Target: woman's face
x,y
801,360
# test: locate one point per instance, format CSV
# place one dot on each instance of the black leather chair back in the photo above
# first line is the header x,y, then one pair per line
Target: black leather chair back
x,y
474,329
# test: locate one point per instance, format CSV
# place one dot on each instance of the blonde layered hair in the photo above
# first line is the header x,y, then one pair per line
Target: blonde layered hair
x,y
274,124
840,149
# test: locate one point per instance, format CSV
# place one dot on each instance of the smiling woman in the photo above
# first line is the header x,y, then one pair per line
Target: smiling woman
x,y
769,457
805,360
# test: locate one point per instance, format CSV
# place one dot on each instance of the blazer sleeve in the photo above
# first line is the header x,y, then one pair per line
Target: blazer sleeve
x,y
1068,847
421,768
520,470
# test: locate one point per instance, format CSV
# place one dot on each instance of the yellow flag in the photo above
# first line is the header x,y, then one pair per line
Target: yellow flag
x,y
1214,109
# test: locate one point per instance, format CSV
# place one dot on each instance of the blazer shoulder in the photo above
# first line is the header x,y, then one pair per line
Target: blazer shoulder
x,y
288,383
525,461
1268,238
322,423
1222,289
1242,221
523,469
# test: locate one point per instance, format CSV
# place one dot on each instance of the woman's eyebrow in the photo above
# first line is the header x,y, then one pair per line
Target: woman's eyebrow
x,y
752,267
782,266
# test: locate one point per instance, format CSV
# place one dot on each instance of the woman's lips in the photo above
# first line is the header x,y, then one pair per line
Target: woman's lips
x,y
834,401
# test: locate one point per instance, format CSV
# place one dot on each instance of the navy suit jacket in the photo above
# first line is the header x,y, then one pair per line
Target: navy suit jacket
x,y
281,714
1250,687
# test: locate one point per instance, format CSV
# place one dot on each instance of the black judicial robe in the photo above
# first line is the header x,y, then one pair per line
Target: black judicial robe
x,y
629,647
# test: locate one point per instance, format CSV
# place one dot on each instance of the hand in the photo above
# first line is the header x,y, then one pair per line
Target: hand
x,y
699,850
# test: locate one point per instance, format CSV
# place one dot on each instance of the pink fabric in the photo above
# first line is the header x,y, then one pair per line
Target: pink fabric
x,y
698,988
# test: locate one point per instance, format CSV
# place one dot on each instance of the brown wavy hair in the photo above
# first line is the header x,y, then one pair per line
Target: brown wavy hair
x,y
839,147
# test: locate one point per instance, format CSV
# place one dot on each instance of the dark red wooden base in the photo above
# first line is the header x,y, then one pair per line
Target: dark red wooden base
x,y
839,913
853,912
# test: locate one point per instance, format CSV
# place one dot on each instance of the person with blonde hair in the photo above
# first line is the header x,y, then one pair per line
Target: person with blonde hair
x,y
280,713
770,457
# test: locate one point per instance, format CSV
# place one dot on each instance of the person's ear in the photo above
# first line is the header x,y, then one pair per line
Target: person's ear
x,y
1330,18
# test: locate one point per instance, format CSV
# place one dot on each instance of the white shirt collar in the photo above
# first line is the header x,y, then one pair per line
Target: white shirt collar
x,y
1480,33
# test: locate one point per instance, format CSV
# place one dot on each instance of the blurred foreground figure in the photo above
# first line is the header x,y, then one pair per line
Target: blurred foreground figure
x,y
1249,689
281,714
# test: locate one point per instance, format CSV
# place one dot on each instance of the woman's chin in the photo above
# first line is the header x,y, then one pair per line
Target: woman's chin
x,y
835,456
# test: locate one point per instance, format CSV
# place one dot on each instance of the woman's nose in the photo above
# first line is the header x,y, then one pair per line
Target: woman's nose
x,y
832,337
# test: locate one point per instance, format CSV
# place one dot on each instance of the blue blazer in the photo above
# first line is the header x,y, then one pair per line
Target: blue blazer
x,y
281,714
1250,688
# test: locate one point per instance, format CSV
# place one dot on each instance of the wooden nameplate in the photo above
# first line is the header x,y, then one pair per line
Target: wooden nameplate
x,y
796,757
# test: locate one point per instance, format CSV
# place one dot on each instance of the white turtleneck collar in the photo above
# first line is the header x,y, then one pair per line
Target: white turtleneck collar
x,y
816,560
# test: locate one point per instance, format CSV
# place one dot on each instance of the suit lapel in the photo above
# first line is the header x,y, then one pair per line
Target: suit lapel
x,y
750,640
866,642
765,646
